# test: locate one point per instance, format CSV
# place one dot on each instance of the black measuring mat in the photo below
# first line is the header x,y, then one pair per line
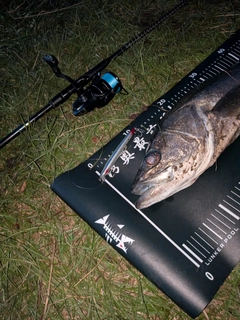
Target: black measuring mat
x,y
186,245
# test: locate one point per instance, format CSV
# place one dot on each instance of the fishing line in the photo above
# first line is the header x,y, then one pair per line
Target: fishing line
x,y
231,76
92,186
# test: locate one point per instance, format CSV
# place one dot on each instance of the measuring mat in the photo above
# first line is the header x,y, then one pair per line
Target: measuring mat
x,y
186,245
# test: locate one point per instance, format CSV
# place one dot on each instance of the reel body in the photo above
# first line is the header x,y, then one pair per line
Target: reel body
x,y
98,94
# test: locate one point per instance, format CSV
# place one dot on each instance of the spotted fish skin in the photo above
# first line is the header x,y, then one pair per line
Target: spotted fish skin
x,y
190,140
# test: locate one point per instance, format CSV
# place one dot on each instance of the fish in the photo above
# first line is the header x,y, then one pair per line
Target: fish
x,y
190,139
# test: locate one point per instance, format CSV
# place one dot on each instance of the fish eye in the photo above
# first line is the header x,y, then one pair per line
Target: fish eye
x,y
153,158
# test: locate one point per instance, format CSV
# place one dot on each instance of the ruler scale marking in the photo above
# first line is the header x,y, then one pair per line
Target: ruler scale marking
x,y
231,205
200,244
224,216
194,254
236,193
216,226
233,56
208,235
210,229
233,200
204,240
229,211
220,221
196,248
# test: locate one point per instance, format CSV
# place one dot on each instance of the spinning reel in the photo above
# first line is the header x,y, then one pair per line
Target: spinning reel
x,y
98,94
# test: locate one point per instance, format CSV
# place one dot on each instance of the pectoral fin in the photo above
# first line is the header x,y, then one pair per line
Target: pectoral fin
x,y
229,105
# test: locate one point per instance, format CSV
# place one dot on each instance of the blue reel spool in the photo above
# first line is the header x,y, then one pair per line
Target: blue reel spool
x,y
113,81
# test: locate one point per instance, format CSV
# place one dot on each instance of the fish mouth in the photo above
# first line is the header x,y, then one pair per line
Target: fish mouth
x,y
145,184
148,197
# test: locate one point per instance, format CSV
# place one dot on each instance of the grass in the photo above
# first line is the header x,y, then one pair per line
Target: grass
x,y
53,265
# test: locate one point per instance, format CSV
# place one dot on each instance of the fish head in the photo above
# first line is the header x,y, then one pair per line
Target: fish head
x,y
167,167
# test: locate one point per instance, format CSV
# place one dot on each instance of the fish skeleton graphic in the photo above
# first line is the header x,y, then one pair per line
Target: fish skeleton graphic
x,y
190,139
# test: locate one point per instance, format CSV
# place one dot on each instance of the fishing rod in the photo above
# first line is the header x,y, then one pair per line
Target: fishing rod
x,y
99,93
